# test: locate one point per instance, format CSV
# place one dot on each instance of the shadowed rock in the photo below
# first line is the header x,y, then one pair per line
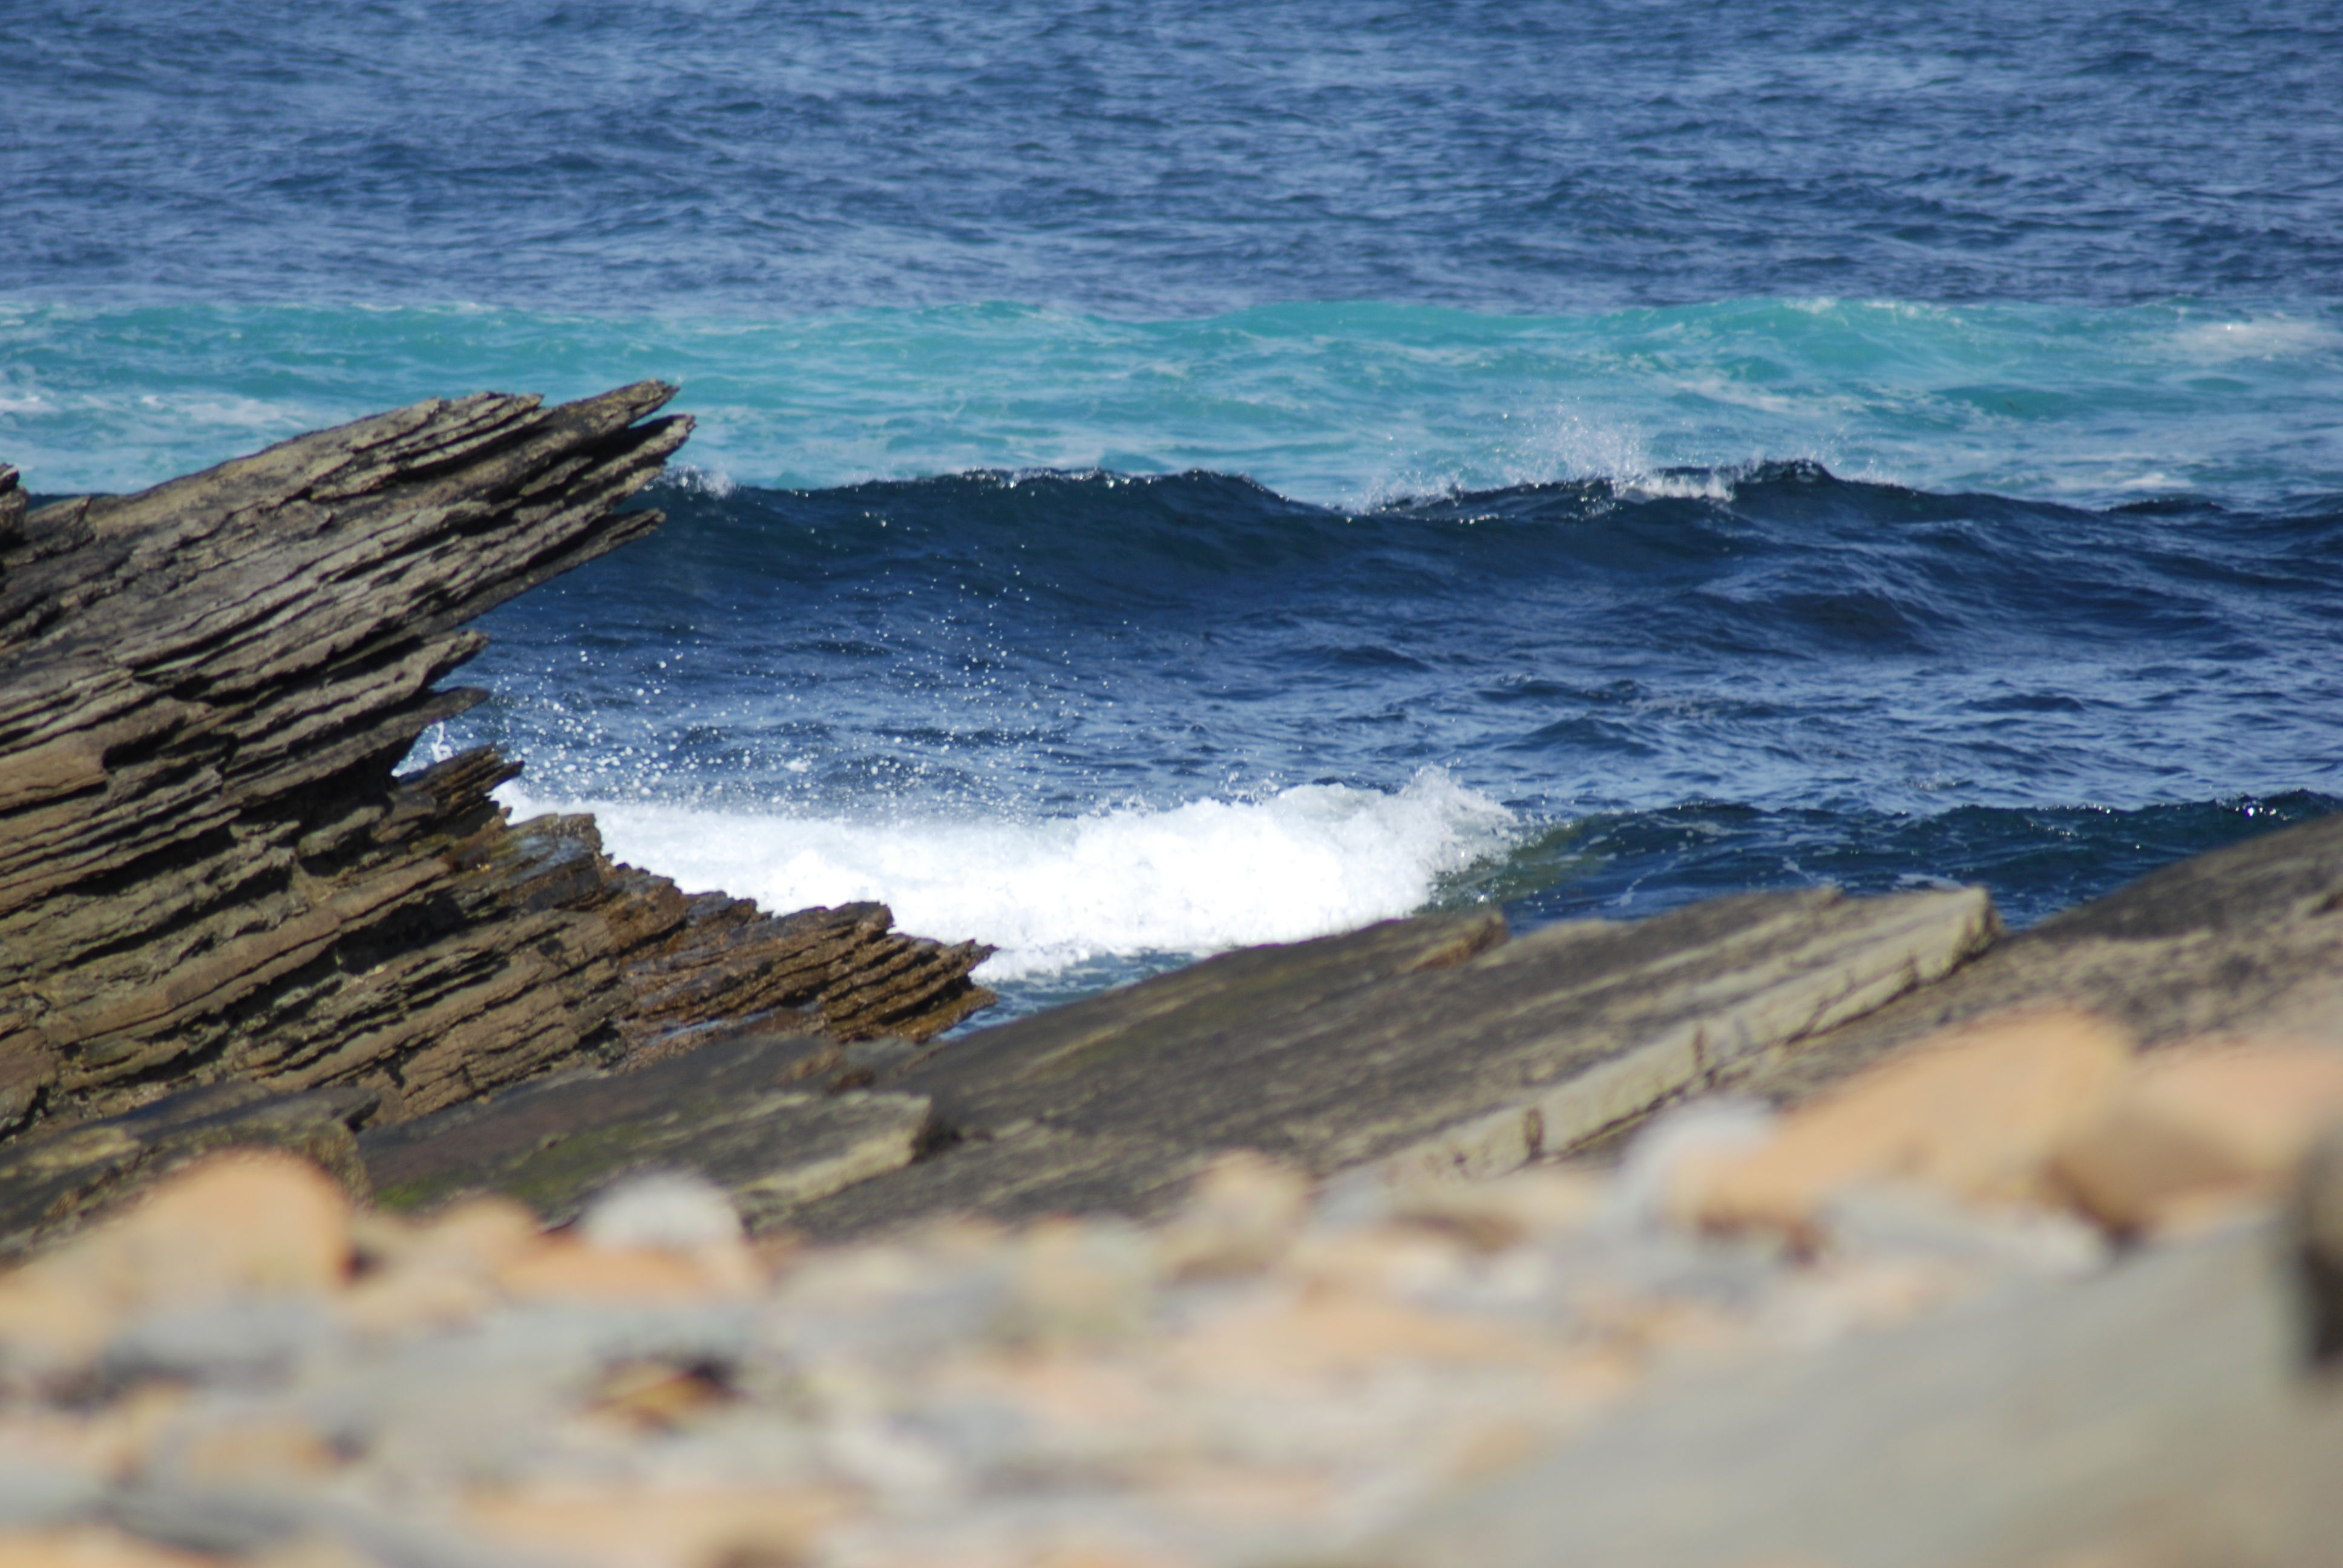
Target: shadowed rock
x,y
207,872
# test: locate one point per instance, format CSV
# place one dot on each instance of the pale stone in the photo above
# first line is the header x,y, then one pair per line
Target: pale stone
x,y
91,1546
260,1447
679,1213
439,1273
599,1527
1490,1216
572,1272
484,1233
416,1300
676,1209
2192,1131
1332,1334
1076,1280
1241,1216
1977,1111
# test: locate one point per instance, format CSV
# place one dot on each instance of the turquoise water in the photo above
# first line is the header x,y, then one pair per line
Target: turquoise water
x,y
1343,404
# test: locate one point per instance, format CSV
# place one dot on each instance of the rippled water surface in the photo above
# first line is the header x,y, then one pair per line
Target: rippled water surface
x,y
1171,476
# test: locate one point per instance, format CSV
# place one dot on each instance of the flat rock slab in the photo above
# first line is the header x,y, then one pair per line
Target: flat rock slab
x,y
756,1116
2245,940
50,1183
1431,1044
2158,1414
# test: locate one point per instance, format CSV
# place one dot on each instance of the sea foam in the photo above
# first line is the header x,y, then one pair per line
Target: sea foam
x,y
1048,893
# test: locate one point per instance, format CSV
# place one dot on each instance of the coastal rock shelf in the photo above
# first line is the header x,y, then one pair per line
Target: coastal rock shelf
x,y
1430,1047
208,874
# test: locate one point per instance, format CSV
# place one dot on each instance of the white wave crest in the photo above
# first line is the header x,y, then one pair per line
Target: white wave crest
x,y
2257,337
1191,879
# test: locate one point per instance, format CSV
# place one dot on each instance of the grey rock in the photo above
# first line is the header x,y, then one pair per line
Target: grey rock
x,y
2155,1407
1431,1046
234,1521
754,1117
38,1496
252,1341
2248,938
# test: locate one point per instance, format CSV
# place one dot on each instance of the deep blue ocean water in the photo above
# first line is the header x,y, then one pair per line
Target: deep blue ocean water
x,y
1178,475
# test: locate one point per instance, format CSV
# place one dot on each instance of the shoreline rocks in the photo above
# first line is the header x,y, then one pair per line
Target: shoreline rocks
x,y
208,875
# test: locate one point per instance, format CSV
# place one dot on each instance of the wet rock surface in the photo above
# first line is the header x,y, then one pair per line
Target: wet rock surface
x,y
763,1119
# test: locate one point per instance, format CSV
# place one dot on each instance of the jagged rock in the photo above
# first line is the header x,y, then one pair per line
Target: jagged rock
x,y
1427,1046
841,972
761,1117
208,874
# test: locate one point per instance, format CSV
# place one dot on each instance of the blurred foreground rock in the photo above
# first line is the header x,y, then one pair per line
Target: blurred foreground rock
x,y
1560,1364
208,875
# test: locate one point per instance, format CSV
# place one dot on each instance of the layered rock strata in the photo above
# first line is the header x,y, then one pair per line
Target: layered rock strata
x,y
208,874
1438,1046
1429,1047
1432,1046
2246,939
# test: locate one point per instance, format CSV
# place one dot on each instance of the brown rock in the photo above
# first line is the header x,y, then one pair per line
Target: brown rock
x,y
1977,1111
763,1119
2318,1234
240,1224
2242,941
2199,1130
1430,1047
53,1179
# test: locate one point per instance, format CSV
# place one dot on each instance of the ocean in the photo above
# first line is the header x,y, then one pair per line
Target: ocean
x,y
1177,476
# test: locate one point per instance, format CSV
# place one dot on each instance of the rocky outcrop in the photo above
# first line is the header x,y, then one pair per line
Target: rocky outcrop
x,y
208,874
